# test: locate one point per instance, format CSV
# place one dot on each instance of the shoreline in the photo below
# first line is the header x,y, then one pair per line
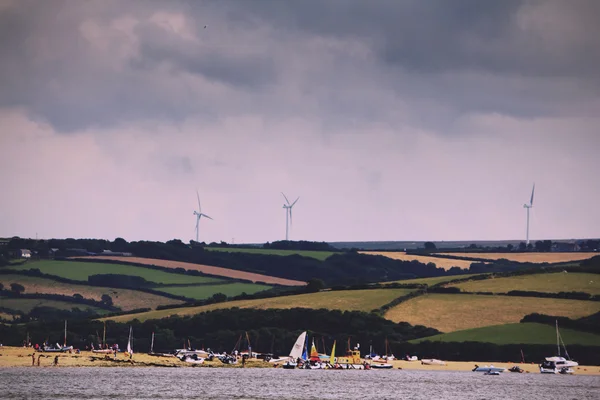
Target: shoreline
x,y
11,357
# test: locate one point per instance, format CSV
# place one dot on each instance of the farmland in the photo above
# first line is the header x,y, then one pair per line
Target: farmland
x,y
526,333
201,292
445,263
319,255
123,298
359,300
80,271
454,312
207,269
431,281
547,283
26,305
527,257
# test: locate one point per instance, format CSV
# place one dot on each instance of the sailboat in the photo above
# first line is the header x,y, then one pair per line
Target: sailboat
x,y
152,353
381,362
102,348
295,352
130,342
58,348
558,364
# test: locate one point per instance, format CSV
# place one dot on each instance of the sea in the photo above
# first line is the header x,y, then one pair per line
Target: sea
x,y
262,383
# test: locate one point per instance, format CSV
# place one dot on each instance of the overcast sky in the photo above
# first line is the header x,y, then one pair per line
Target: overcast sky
x,y
391,119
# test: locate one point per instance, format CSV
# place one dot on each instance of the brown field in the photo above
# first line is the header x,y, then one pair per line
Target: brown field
x,y
528,257
124,298
354,300
21,357
455,312
444,263
207,269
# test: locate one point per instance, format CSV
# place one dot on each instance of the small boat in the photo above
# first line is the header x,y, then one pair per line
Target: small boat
x,y
516,368
381,365
192,359
56,348
295,352
487,368
557,364
492,373
432,361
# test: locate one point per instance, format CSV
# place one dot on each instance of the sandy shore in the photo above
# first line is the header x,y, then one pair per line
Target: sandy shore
x,y
22,357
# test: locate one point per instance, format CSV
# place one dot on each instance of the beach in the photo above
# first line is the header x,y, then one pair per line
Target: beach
x,y
22,357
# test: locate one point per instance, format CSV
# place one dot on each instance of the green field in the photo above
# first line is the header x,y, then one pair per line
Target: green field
x,y
125,299
26,305
80,271
205,291
526,333
352,300
432,281
455,312
319,255
547,283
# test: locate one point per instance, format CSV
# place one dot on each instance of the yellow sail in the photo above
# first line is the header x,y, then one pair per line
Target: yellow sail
x,y
332,358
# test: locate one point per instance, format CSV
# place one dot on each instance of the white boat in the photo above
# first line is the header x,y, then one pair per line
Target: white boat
x,y
192,359
492,373
487,368
432,361
558,364
381,365
58,348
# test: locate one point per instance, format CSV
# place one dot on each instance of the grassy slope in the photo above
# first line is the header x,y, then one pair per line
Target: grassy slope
x,y
527,257
527,333
26,305
360,300
454,312
206,291
432,281
548,283
319,255
124,298
81,270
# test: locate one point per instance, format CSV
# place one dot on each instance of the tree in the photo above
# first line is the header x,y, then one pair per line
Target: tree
x,y
430,246
522,246
1,286
219,297
106,299
17,288
77,296
314,285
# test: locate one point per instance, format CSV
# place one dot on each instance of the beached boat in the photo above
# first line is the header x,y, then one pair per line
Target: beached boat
x,y
152,353
492,373
432,361
516,368
352,360
295,352
558,364
58,348
381,365
487,368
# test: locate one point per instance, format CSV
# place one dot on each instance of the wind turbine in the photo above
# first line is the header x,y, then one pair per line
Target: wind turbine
x,y
199,215
288,213
528,207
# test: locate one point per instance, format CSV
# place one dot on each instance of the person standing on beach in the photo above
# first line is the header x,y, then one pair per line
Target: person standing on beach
x,y
33,359
55,361
38,363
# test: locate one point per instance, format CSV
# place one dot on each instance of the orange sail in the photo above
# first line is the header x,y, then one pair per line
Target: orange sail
x,y
314,355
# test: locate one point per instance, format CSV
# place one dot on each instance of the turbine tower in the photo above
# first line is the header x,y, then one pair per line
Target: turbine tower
x,y
199,215
288,214
528,207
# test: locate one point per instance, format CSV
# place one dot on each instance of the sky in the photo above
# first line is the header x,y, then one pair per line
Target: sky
x,y
391,120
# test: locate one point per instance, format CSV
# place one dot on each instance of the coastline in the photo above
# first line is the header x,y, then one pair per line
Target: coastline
x,y
22,357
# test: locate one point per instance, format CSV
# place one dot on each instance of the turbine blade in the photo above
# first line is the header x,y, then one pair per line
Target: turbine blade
x,y
286,199
295,201
199,206
532,191
204,215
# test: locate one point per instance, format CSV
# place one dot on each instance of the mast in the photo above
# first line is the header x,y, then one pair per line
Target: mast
x,y
152,344
557,338
65,342
104,336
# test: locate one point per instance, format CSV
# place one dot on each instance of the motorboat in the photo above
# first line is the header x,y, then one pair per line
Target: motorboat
x,y
432,361
487,368
516,368
558,364
492,373
381,365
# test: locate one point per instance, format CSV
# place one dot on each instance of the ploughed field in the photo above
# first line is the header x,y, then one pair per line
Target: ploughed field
x,y
445,263
525,333
454,312
527,257
319,255
352,300
26,305
207,269
123,298
547,283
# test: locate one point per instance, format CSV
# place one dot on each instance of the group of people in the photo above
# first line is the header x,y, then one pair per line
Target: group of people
x,y
33,362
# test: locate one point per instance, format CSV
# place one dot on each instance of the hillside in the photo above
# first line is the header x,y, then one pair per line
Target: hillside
x,y
345,300
445,263
532,257
316,254
454,312
523,333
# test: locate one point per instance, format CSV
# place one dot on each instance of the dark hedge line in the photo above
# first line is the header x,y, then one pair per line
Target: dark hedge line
x,y
60,297
587,324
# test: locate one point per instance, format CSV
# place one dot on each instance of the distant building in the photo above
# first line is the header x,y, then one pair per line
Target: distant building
x,y
25,253
114,253
565,246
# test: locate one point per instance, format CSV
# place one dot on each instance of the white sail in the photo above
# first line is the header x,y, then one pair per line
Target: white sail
x,y
298,346
129,344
